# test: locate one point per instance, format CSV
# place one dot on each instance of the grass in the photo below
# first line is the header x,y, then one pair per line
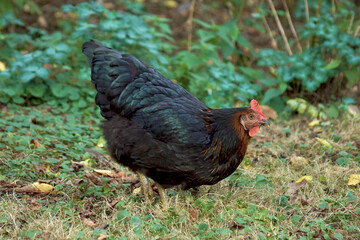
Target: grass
x,y
258,201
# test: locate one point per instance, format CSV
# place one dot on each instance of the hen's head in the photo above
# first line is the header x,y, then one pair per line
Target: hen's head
x,y
253,119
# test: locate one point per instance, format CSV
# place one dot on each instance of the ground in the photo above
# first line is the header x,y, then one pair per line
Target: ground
x,y
261,200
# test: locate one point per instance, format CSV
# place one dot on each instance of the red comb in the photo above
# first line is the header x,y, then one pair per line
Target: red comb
x,y
255,106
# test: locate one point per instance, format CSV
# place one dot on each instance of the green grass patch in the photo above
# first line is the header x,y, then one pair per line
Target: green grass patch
x,y
256,202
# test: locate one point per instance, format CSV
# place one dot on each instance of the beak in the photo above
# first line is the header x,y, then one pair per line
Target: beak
x,y
265,123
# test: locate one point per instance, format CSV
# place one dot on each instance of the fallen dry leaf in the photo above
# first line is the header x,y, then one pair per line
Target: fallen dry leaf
x,y
194,213
93,178
36,187
354,179
108,173
121,174
43,187
324,142
88,222
86,163
102,236
268,112
137,191
7,184
170,3
235,225
40,168
42,21
304,202
314,123
101,143
353,109
248,167
36,143
298,161
306,178
2,66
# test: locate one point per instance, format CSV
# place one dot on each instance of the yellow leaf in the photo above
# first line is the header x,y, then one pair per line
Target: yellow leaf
x,y
109,173
137,191
353,109
298,161
324,142
85,163
314,123
318,130
248,167
171,3
301,108
2,66
101,142
354,179
48,170
306,178
43,187
312,111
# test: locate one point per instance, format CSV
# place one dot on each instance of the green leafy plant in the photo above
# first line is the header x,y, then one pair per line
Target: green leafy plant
x,y
50,68
326,62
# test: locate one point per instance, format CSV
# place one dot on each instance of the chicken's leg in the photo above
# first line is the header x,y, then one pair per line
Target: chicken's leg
x,y
162,195
145,186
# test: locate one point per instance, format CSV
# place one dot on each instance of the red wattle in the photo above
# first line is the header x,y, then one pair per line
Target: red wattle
x,y
254,131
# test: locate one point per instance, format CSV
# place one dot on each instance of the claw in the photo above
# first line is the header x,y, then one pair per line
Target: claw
x,y
162,195
148,192
145,186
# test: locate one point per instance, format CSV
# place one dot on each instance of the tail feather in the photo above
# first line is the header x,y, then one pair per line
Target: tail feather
x,y
111,72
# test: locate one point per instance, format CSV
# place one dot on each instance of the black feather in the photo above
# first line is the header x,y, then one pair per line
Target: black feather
x,y
157,127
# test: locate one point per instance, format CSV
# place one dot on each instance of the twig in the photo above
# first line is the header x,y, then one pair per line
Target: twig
x,y
318,9
101,158
307,10
333,7
307,20
268,29
292,28
351,22
357,31
281,29
189,23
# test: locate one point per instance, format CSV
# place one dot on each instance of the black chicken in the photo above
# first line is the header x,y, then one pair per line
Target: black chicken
x,y
159,130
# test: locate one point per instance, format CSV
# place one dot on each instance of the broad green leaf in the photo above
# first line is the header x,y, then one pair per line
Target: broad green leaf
x,y
37,90
122,214
43,73
58,90
27,76
333,64
270,94
243,42
203,227
352,75
18,100
332,112
135,221
9,91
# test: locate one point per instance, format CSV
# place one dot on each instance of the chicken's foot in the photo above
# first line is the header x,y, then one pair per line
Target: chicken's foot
x,y
145,186
162,195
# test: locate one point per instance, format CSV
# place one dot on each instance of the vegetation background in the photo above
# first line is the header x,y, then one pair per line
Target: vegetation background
x,y
300,178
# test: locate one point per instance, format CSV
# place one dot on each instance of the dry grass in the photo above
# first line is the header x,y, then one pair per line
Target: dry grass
x,y
254,203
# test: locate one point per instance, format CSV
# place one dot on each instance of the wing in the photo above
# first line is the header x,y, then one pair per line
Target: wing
x,y
128,87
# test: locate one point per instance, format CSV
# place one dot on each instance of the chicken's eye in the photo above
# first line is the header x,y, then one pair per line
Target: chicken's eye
x,y
251,116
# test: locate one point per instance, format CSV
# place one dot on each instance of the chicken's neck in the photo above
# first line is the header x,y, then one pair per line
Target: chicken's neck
x,y
229,142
